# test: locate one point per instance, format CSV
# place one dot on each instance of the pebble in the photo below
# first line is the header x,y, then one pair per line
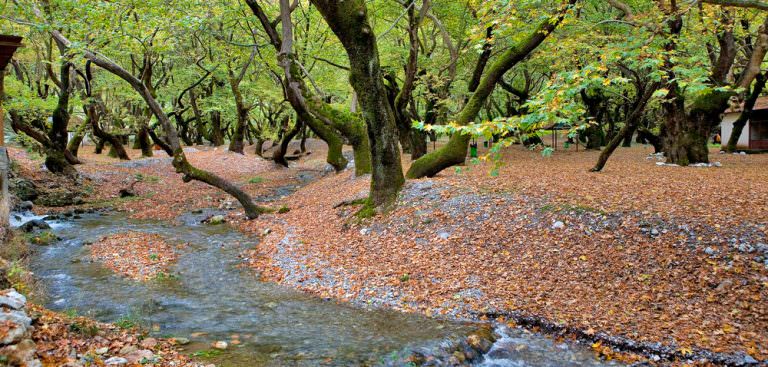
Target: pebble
x,y
116,361
220,345
709,251
102,350
180,341
148,343
558,225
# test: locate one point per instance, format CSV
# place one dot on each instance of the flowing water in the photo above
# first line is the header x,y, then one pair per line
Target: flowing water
x,y
211,298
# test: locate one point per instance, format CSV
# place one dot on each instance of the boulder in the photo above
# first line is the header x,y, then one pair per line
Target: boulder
x,y
24,206
21,354
24,189
59,199
11,299
17,323
33,224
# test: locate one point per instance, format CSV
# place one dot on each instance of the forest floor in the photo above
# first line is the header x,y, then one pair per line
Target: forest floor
x,y
671,255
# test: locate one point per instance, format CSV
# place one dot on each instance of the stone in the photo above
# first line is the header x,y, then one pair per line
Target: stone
x,y
743,153
220,345
443,234
102,350
24,206
21,354
116,361
654,232
216,219
25,190
142,356
365,231
717,164
558,225
180,341
18,324
479,344
709,251
33,224
12,299
148,343
128,349
59,199
748,359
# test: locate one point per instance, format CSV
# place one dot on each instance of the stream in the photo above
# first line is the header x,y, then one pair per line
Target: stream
x,y
210,298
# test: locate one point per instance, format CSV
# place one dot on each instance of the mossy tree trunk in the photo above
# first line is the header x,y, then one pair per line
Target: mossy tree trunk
x,y
58,159
349,21
73,146
455,151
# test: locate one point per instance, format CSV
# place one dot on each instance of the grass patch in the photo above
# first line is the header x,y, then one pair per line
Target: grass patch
x,y
166,277
256,180
147,178
283,209
126,322
42,238
84,328
16,248
206,353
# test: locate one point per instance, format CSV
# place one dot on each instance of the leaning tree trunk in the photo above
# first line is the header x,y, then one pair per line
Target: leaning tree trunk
x,y
73,146
349,21
455,152
746,113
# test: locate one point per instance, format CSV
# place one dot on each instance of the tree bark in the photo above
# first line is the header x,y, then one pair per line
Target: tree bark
x,y
73,146
279,155
349,21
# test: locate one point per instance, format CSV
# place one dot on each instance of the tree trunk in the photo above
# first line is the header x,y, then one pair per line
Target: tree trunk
x,y
144,141
455,151
746,113
687,134
217,138
259,147
349,21
116,146
279,155
73,146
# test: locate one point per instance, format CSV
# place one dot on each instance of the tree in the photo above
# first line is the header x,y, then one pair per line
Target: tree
x,y
349,21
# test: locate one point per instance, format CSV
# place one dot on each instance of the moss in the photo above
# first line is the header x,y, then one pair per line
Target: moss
x,y
711,101
256,180
367,211
42,238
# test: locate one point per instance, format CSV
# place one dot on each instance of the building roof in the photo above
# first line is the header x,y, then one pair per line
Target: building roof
x,y
760,104
8,44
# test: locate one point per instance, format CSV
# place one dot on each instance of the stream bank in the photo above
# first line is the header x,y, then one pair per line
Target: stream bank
x,y
209,297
